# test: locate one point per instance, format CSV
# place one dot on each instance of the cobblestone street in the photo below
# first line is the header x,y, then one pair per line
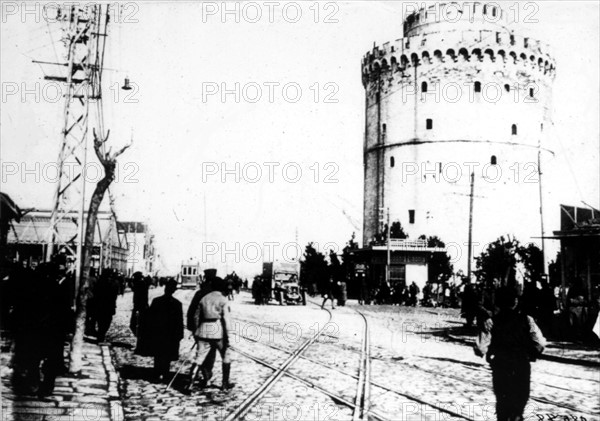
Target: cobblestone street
x,y
417,369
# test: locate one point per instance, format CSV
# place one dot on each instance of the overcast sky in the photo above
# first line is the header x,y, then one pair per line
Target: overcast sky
x,y
182,135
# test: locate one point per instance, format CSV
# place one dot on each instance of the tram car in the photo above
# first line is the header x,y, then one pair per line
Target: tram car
x,y
189,276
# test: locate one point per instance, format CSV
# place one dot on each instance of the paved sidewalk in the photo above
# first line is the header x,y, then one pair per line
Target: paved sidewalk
x,y
92,396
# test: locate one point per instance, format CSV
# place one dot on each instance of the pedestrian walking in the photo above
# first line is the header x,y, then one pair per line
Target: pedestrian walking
x,y
230,286
509,341
257,290
205,288
166,319
105,294
140,300
211,326
329,293
343,296
363,291
469,304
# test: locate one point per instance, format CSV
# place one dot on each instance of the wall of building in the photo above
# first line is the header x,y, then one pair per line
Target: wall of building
x,y
476,82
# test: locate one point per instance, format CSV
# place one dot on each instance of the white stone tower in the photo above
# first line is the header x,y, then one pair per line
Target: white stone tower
x,y
460,92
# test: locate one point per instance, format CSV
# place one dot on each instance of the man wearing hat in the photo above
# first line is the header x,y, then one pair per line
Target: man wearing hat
x,y
205,288
211,324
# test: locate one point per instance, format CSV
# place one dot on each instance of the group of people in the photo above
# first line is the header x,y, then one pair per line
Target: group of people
x,y
37,313
537,299
160,328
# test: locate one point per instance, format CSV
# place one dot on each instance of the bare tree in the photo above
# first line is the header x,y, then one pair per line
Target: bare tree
x,y
109,162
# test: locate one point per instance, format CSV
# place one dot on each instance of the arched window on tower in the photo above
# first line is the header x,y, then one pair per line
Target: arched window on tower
x,y
493,160
507,87
477,86
513,129
424,87
392,162
531,92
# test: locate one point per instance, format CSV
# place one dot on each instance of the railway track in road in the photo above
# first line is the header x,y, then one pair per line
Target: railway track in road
x,y
360,405
242,409
363,389
439,373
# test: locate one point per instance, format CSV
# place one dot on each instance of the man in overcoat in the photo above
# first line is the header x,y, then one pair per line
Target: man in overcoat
x,y
166,319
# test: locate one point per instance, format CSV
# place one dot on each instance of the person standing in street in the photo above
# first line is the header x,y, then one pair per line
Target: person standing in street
x,y
211,326
105,302
414,291
166,319
329,293
363,291
509,341
343,297
257,290
140,300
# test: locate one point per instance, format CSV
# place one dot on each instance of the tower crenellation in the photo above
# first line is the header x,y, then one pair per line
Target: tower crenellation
x,y
456,89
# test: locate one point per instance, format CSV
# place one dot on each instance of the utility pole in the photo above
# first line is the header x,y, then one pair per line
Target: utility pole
x,y
470,226
387,266
541,207
85,38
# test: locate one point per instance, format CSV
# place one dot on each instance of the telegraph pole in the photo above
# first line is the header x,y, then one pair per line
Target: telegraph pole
x,y
470,226
541,207
387,266
85,38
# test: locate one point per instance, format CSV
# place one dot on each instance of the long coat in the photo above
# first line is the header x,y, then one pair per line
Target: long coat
x,y
166,321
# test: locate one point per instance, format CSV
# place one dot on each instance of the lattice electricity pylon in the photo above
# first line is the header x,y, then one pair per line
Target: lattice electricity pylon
x,y
85,38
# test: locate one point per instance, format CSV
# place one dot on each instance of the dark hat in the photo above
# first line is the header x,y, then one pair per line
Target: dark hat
x,y
171,285
218,284
210,273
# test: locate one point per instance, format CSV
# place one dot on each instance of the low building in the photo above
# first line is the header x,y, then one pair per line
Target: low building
x,y
579,237
409,260
141,256
28,239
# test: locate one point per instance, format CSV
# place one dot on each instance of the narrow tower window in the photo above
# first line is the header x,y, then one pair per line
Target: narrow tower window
x,y
514,129
531,92
411,216
493,161
392,162
507,87
477,86
429,124
383,128
424,87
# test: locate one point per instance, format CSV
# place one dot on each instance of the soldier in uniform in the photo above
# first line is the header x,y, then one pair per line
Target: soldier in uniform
x,y
510,340
211,325
205,288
